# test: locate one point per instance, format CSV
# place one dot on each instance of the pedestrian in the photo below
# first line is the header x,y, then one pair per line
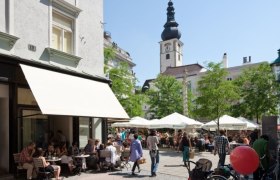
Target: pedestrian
x,y
221,146
152,144
185,145
136,153
261,147
253,136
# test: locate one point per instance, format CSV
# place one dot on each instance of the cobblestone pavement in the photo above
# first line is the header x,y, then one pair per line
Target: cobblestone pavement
x,y
170,167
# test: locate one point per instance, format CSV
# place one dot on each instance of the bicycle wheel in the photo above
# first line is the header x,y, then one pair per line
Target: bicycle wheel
x,y
216,177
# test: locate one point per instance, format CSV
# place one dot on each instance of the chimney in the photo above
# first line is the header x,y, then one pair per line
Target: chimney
x,y
225,61
244,60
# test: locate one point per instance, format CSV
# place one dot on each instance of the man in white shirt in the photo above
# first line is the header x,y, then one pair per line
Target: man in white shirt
x,y
114,159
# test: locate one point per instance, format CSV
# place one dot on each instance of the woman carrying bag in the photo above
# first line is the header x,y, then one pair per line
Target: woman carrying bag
x,y
135,153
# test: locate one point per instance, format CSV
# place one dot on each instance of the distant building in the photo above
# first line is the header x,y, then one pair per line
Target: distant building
x,y
121,54
171,61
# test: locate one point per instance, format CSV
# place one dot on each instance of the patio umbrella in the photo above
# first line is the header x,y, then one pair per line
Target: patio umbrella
x,y
225,122
137,122
250,124
175,121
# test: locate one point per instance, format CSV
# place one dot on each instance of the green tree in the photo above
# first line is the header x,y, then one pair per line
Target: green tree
x,y
165,97
259,92
109,54
216,94
123,84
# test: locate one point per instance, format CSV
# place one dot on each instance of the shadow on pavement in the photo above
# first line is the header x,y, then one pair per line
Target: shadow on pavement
x,y
128,175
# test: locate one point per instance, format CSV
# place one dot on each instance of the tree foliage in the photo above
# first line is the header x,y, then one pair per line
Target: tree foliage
x,y
216,94
259,92
165,97
123,85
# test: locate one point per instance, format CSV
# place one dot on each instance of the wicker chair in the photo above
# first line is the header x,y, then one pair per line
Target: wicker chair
x,y
19,169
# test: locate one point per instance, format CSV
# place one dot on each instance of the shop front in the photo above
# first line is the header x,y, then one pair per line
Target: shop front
x,y
37,100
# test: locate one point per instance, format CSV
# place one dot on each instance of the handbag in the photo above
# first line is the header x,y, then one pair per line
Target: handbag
x,y
191,154
141,160
153,153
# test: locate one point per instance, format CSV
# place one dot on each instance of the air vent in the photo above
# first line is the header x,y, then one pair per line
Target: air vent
x,y
31,47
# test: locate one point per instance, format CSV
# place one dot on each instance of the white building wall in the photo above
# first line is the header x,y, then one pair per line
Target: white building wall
x,y
90,36
31,25
2,15
32,20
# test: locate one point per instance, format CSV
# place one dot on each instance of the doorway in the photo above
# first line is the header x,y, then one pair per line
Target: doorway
x,y
33,127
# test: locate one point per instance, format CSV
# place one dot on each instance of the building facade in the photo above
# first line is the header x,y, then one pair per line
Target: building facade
x,y
51,74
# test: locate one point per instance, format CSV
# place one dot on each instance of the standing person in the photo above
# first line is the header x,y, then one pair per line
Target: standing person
x,y
152,144
186,145
261,147
27,160
60,137
220,147
253,137
178,139
135,153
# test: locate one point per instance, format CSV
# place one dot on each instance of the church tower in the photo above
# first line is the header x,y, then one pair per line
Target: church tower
x,y
171,54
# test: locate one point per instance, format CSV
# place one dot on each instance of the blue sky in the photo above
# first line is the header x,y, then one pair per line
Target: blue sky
x,y
209,28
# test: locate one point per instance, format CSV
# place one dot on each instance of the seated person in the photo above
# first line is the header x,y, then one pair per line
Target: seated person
x,y
50,151
89,147
126,148
114,159
67,160
62,150
27,160
48,167
100,160
74,149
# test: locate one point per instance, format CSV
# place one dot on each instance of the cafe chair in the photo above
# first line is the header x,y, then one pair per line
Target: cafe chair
x,y
106,154
19,169
125,160
40,169
118,149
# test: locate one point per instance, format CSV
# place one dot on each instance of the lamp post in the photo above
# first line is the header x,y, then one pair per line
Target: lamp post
x,y
275,65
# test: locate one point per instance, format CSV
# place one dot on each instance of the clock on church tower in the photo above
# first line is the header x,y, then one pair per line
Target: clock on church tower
x,y
171,46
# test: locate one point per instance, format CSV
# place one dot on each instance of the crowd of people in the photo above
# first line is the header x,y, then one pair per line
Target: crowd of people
x,y
127,140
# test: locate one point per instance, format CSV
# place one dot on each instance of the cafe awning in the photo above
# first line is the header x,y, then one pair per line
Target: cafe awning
x,y
62,94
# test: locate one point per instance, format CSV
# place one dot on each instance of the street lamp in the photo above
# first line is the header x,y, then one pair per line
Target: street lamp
x,y
276,67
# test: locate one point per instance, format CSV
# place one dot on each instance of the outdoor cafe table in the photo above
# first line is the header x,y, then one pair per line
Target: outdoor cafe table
x,y
82,157
53,160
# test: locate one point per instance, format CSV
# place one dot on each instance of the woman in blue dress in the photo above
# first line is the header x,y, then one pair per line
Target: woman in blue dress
x,y
135,153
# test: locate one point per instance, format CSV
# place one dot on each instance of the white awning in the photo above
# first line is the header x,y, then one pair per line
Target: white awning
x,y
62,94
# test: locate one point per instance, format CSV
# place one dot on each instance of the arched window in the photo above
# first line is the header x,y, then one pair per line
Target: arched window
x,y
167,56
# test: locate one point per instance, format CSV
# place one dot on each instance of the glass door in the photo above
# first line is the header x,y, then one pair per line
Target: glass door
x,y
33,127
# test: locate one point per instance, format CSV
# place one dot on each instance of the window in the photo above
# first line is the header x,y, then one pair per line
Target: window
x,y
62,33
277,73
167,56
229,79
